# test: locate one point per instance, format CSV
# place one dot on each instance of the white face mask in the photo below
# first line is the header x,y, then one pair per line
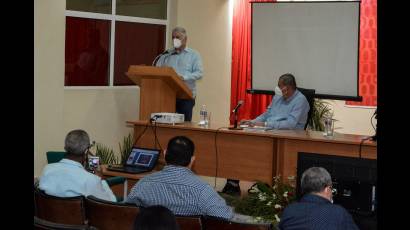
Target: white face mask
x,y
177,43
278,91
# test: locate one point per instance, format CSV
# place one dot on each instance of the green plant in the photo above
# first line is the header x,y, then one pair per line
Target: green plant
x,y
125,148
321,109
106,154
265,202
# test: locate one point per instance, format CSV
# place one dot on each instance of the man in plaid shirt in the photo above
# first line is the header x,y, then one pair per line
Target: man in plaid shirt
x,y
177,187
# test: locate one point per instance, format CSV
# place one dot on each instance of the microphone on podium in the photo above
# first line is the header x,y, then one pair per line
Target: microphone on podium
x,y
157,57
235,112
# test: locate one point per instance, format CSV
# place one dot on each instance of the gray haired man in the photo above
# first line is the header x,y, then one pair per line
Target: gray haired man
x,y
68,178
316,210
187,64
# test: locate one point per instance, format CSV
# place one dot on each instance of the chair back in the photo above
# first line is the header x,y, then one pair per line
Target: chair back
x,y
54,156
310,97
65,210
41,224
189,222
106,215
213,223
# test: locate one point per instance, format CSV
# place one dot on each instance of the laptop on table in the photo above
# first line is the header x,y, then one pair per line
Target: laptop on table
x,y
140,160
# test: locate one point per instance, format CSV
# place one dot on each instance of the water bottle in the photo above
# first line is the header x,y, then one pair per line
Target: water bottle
x,y
203,116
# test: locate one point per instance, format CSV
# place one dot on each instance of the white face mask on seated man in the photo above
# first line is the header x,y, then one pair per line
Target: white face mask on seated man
x,y
278,91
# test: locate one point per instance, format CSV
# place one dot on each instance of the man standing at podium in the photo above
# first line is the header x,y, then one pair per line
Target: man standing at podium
x,y
187,64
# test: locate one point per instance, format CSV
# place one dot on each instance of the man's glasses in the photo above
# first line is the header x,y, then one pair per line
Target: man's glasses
x,y
334,191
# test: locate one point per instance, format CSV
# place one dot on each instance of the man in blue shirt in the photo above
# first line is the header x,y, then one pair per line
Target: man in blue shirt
x,y
177,187
68,178
187,64
316,210
288,110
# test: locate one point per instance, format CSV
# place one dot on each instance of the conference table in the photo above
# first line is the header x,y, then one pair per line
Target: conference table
x,y
249,154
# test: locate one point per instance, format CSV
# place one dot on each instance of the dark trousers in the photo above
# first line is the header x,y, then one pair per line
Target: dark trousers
x,y
185,107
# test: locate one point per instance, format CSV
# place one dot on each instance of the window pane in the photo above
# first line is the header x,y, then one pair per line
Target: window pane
x,y
87,52
95,6
142,8
136,44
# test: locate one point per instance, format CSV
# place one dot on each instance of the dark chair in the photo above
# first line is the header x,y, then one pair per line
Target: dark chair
x,y
310,97
110,215
189,222
54,156
65,210
213,223
41,224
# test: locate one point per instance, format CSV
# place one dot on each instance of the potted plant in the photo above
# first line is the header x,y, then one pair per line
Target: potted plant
x,y
321,110
107,155
265,203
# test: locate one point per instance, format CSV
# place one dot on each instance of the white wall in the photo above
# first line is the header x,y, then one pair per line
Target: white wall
x,y
209,32
353,119
49,35
102,112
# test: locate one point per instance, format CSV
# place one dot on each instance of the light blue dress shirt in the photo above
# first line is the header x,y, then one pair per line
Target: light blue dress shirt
x,y
187,64
68,178
286,114
181,191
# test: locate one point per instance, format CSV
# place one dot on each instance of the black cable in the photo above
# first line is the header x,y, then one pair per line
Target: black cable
x,y
136,140
367,138
360,146
371,121
156,137
154,130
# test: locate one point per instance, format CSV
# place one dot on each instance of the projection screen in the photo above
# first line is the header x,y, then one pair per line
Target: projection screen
x,y
315,41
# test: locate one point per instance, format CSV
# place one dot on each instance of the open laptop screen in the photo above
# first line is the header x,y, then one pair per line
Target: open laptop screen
x,y
142,157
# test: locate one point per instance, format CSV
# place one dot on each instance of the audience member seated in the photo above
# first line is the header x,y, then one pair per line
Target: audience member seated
x,y
155,217
177,187
316,210
68,177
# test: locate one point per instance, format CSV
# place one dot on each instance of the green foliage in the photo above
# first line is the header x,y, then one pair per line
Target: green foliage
x,y
321,109
106,154
265,202
125,148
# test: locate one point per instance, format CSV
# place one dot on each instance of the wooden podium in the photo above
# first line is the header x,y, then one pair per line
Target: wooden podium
x,y
159,88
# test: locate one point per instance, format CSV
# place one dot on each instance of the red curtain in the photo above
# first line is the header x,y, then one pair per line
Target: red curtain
x,y
254,104
367,54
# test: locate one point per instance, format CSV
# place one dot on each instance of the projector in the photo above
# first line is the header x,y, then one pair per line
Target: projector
x,y
168,118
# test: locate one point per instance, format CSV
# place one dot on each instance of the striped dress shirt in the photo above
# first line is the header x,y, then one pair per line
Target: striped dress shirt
x,y
181,191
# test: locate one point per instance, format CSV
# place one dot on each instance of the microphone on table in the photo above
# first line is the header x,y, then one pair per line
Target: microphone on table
x,y
235,112
240,103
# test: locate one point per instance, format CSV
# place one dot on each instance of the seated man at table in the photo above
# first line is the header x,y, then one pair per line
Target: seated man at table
x,y
177,187
316,210
288,110
68,178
